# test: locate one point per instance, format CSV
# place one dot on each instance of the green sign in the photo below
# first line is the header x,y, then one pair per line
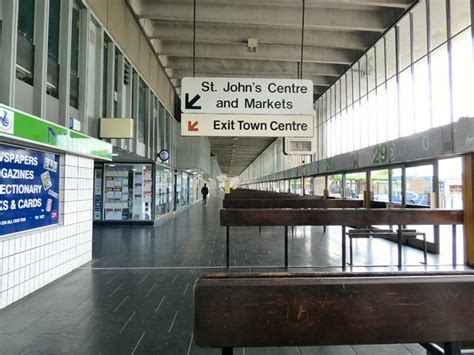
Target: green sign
x,y
28,128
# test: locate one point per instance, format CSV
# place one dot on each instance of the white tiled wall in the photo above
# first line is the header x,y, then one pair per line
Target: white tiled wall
x,y
31,260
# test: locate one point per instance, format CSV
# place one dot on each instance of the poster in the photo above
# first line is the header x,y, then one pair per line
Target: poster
x,y
29,189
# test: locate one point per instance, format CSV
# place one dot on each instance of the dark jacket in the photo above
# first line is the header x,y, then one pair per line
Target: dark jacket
x,y
205,191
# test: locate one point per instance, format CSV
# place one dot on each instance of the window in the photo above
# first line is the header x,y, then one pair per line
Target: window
x,y
420,36
422,99
141,111
379,185
350,98
25,46
319,185
334,185
381,114
371,69
392,108
404,42
460,15
355,81
406,103
396,182
419,184
363,76
74,75
380,61
440,86
438,22
462,64
53,47
355,186
391,55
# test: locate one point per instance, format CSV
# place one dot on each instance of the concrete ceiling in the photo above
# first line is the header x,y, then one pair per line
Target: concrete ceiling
x,y
336,33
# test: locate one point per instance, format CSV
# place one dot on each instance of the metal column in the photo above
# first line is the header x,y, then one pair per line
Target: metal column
x,y
84,40
8,51
41,57
64,90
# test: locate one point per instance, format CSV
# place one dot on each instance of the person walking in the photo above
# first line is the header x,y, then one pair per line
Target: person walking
x,y
204,192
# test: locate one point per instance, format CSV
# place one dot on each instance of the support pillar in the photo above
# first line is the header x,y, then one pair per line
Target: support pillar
x,y
41,57
8,51
468,203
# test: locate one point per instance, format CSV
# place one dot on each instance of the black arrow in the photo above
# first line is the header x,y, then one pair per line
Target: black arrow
x,y
189,105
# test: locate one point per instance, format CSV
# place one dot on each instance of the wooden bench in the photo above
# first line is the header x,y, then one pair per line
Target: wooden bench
x,y
291,202
287,309
338,217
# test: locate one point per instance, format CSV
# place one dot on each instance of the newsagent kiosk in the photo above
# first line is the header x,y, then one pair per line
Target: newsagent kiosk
x,y
46,201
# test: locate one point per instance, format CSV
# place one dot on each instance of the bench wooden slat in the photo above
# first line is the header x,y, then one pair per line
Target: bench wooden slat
x,y
326,217
334,309
291,203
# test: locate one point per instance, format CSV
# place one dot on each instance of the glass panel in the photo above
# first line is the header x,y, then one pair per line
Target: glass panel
x,y
355,81
406,103
390,53
372,122
420,36
337,95
334,185
355,186
450,183
422,92
53,47
164,191
141,112
460,15
364,123
127,192
440,86
371,69
463,104
392,106
104,77
25,46
308,185
404,42
396,178
379,185
437,22
343,92
380,61
381,114
419,184
74,73
350,98
319,185
363,75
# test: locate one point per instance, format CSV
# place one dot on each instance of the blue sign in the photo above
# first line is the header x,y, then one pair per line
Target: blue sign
x,y
29,189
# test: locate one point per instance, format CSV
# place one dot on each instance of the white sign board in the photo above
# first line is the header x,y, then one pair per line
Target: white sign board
x,y
247,125
247,96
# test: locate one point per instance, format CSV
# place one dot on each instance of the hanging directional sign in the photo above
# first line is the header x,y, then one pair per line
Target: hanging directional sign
x,y
247,96
193,124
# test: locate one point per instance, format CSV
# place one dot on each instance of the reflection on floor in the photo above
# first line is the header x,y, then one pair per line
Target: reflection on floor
x,y
136,295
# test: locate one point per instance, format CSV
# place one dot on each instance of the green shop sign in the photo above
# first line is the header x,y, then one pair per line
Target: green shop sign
x,y
22,126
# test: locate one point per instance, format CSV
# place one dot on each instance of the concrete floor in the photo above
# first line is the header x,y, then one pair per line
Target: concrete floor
x,y
135,297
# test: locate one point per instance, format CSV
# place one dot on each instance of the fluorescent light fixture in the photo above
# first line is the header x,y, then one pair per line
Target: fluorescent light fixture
x,y
115,154
111,165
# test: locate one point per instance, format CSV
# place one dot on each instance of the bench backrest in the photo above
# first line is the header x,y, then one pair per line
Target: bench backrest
x,y
291,203
240,310
327,217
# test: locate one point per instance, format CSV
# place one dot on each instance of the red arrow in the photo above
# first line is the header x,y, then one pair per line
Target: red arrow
x,y
192,127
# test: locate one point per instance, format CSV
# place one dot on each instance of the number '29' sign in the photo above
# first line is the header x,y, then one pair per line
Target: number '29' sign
x,y
29,189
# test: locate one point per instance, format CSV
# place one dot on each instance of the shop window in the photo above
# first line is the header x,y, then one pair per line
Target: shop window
x,y
335,185
53,47
128,192
25,46
379,185
164,191
462,65
355,186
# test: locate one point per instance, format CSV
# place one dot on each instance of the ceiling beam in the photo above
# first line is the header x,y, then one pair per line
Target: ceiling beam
x,y
221,33
316,79
272,16
283,53
253,66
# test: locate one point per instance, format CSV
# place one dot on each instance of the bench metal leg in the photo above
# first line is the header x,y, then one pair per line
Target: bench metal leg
x,y
227,247
452,348
227,351
343,248
399,237
455,261
351,262
286,247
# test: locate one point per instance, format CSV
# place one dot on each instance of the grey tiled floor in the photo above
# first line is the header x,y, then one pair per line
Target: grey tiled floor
x,y
135,297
